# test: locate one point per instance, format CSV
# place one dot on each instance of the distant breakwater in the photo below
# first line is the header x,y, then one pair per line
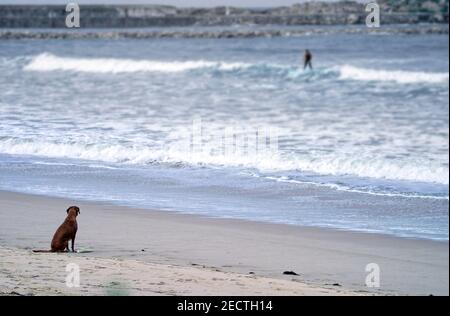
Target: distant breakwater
x,y
139,16
222,34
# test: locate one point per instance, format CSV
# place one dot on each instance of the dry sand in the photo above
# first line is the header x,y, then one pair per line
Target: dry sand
x,y
193,255
25,273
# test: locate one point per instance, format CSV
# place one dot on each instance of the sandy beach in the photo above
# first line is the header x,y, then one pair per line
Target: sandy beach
x,y
24,273
146,252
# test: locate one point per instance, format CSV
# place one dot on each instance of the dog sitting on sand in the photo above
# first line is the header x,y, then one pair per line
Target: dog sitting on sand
x,y
65,233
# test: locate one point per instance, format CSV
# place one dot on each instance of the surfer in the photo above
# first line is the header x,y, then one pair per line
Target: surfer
x,y
308,60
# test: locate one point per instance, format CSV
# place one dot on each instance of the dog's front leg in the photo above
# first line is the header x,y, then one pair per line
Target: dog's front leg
x,y
73,244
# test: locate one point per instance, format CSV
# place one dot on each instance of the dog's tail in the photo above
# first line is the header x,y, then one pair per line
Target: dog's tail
x,y
42,251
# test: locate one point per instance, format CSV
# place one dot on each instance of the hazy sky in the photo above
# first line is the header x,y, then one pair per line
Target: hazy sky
x,y
246,3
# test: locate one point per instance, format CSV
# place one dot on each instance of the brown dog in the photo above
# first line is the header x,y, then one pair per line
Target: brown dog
x,y
65,233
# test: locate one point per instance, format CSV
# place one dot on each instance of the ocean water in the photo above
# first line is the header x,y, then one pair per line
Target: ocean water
x,y
362,141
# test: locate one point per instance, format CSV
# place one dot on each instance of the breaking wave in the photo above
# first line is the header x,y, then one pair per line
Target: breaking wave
x,y
47,62
338,165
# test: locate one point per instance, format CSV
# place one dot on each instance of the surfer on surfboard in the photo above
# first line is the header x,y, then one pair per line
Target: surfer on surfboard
x,y
308,60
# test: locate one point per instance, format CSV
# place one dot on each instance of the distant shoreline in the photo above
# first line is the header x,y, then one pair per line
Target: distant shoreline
x,y
310,13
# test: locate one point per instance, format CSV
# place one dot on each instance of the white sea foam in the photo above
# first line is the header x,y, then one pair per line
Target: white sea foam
x,y
333,158
348,72
347,188
47,62
354,165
